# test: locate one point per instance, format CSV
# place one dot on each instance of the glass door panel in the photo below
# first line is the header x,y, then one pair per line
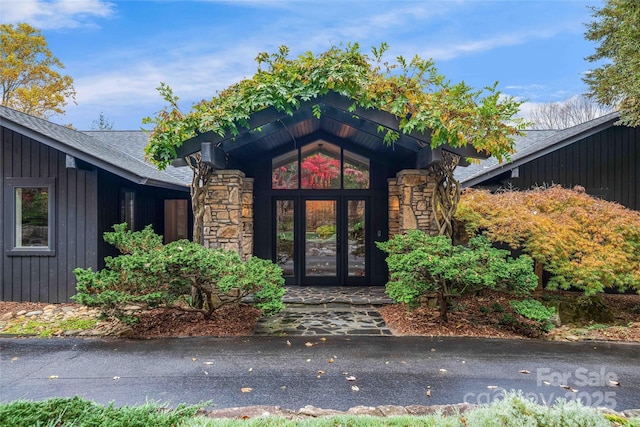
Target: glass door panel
x,y
356,238
320,239
285,236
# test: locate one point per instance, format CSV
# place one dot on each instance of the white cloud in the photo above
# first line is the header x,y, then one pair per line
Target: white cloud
x,y
55,14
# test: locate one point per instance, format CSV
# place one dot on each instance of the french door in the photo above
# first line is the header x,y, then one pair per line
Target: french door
x,y
322,240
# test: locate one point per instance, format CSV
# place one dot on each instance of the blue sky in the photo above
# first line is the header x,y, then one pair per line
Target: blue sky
x,y
119,51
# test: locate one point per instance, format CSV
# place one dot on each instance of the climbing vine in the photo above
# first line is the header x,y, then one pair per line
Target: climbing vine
x,y
414,91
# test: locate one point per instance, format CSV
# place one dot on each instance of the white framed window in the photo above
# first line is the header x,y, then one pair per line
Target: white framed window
x,y
32,216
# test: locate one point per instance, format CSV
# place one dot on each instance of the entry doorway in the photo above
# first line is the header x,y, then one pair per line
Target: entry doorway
x,y
323,240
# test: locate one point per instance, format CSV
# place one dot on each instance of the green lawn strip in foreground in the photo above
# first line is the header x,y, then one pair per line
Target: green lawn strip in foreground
x,y
45,329
514,410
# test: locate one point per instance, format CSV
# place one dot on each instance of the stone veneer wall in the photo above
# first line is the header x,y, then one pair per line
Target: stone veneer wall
x,y
410,196
228,217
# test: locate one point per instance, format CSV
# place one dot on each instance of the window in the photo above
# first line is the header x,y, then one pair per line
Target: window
x,y
32,214
322,166
128,208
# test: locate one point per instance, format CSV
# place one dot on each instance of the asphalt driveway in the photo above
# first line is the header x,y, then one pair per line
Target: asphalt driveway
x,y
336,372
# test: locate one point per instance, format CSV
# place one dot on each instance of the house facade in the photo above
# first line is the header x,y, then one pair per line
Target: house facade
x,y
315,190
61,190
600,156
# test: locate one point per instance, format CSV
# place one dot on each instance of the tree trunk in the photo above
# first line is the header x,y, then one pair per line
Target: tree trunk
x,y
202,175
443,303
447,194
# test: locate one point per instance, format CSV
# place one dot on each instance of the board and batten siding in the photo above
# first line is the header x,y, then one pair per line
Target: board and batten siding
x,y
606,164
48,278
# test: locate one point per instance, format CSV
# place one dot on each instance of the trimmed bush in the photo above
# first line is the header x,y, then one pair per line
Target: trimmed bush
x,y
420,264
149,274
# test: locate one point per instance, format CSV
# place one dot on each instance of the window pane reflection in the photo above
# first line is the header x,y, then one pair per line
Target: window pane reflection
x,y
356,171
320,166
356,237
285,236
284,171
32,217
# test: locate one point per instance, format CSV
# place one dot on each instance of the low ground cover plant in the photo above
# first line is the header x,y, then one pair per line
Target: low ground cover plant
x,y
585,243
149,274
512,410
420,265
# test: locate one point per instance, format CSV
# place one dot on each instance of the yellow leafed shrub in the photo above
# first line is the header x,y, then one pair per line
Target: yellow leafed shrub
x,y
584,242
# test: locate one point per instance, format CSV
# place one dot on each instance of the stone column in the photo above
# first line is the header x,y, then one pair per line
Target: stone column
x,y
410,196
228,218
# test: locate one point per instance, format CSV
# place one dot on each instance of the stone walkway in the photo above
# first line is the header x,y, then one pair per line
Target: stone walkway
x,y
330,310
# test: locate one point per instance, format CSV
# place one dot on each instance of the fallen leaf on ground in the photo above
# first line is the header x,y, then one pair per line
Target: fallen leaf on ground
x,y
53,377
206,373
568,387
309,344
524,371
193,359
116,378
350,378
289,343
14,359
355,388
614,383
442,370
330,360
250,369
323,339
428,393
246,389
492,387
207,363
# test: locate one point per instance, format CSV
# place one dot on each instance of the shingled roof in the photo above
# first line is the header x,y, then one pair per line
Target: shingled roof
x,y
530,146
121,153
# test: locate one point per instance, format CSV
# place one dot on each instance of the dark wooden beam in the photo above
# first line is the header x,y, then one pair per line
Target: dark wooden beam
x,y
213,156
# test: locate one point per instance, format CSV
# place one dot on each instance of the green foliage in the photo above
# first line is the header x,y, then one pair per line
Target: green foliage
x,y
497,307
413,90
150,274
584,242
46,328
534,310
508,409
514,409
83,413
615,82
420,265
326,231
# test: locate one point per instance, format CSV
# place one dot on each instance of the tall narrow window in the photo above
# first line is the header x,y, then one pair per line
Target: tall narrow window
x,y
32,208
128,208
285,247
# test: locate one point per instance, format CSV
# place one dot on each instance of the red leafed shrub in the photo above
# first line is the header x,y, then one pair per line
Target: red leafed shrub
x,y
584,242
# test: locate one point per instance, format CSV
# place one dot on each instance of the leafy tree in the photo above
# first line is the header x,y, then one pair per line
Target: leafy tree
x,y
616,27
567,113
102,123
150,274
30,82
414,91
584,242
420,265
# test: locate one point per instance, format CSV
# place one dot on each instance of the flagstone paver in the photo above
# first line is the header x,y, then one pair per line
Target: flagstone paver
x,y
317,311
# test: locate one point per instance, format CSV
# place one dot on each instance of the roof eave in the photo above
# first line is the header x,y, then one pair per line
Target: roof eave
x,y
503,167
66,149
